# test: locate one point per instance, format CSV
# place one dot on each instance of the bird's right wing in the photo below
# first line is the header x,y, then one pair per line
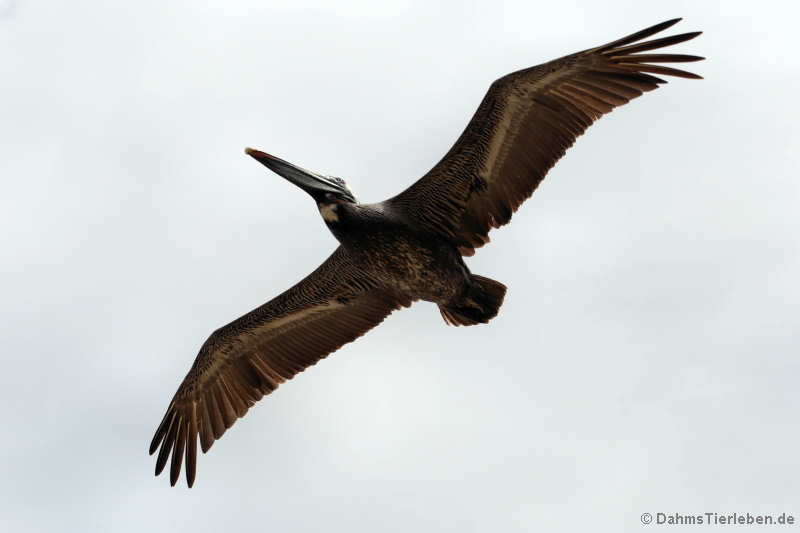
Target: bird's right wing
x,y
251,356
524,124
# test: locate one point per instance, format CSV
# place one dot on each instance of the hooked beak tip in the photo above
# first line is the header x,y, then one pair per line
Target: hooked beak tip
x,y
262,157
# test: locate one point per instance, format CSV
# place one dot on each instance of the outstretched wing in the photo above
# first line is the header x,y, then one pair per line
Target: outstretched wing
x,y
251,356
524,124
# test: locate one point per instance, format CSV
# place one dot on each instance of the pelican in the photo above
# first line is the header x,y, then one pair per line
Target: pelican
x,y
409,247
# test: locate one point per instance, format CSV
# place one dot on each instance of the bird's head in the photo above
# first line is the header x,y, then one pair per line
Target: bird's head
x,y
327,191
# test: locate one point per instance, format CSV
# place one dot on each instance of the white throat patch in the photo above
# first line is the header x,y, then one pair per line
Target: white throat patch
x,y
328,212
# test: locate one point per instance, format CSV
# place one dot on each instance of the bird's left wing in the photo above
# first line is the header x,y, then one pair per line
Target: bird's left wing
x,y
523,126
251,356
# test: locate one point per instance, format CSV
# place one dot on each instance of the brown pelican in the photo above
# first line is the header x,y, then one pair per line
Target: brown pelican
x,y
409,247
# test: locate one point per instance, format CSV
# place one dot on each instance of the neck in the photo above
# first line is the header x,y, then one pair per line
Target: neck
x,y
329,212
342,218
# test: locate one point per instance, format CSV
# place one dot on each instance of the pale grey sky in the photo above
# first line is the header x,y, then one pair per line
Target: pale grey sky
x,y
645,359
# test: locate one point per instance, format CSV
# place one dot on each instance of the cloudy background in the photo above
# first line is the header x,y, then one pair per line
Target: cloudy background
x,y
646,358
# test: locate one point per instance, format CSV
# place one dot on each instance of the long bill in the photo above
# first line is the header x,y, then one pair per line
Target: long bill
x,y
314,184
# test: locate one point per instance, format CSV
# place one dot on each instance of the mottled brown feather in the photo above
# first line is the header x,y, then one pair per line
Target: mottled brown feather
x,y
251,356
524,125
177,453
191,446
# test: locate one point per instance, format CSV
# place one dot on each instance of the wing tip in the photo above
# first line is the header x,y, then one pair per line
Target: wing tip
x,y
690,35
669,23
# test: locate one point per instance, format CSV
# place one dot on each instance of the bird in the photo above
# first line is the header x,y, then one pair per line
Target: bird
x,y
411,246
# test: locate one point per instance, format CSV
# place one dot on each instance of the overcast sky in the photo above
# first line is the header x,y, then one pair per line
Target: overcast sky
x,y
646,358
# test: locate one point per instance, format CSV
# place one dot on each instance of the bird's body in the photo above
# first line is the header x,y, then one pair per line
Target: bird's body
x,y
409,247
410,259
421,264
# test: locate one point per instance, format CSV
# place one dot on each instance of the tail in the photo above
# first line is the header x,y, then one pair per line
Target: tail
x,y
479,305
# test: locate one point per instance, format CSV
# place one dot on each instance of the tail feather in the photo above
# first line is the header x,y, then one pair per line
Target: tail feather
x,y
479,305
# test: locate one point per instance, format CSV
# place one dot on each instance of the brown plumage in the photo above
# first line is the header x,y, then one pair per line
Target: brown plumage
x,y
409,247
524,124
251,356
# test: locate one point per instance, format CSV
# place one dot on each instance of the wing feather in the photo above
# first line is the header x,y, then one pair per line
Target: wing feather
x,y
251,356
524,125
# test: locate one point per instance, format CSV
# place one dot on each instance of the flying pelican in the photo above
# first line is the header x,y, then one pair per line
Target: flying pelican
x,y
409,247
